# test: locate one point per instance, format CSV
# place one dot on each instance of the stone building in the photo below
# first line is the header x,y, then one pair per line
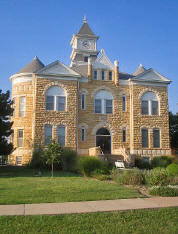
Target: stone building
x,y
91,103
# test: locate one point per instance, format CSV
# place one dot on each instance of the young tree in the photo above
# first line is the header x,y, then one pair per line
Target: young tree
x,y
5,124
52,154
173,125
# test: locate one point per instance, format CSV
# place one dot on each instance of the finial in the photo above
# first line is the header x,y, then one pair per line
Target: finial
x,y
141,65
85,19
35,57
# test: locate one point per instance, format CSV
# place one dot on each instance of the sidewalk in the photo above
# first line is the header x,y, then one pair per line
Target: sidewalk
x,y
88,206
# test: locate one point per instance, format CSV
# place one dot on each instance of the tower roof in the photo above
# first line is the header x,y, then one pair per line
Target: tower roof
x,y
33,66
85,29
140,70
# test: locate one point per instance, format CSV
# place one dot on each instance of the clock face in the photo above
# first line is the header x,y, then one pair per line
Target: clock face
x,y
86,44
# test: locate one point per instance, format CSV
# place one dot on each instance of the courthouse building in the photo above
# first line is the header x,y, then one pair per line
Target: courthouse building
x,y
88,104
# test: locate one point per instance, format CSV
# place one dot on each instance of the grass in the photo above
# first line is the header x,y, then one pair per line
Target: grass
x,y
19,186
159,221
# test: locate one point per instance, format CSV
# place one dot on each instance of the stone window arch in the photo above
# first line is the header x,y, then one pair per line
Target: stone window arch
x,y
56,98
149,104
103,102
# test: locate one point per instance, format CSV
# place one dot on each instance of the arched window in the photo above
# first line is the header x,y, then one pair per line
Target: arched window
x,y
55,99
103,102
48,133
149,104
61,135
145,140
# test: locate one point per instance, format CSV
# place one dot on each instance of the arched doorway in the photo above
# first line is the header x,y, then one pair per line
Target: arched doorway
x,y
103,139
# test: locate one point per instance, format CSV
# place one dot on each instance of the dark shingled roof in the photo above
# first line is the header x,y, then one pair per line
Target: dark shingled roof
x,y
140,70
33,66
85,30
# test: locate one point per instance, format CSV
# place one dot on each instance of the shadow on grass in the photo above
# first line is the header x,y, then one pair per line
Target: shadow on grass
x,y
20,171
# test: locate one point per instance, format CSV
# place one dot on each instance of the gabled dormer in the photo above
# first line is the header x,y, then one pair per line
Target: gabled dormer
x,y
84,45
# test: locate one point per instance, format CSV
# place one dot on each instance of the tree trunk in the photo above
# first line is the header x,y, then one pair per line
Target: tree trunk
x,y
52,169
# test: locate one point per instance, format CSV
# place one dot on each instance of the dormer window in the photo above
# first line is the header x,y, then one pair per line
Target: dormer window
x,y
86,59
102,75
110,75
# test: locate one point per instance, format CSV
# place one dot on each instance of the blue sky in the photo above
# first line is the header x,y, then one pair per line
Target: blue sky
x,y
132,31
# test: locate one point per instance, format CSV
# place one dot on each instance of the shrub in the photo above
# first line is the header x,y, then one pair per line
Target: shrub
x,y
157,176
172,169
141,163
130,177
162,161
165,191
37,161
88,164
68,159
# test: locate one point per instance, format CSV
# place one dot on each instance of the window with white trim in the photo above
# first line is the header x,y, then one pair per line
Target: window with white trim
x,y
19,160
102,75
149,104
83,98
83,133
124,135
145,141
110,75
47,133
61,132
124,103
20,137
103,102
22,106
55,99
95,75
156,138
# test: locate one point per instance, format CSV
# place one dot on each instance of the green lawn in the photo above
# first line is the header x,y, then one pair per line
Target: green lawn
x,y
18,185
155,221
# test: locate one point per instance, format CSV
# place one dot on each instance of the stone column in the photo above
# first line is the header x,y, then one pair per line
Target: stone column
x,y
116,72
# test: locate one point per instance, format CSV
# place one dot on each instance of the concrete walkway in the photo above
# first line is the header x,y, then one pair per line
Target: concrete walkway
x,y
88,206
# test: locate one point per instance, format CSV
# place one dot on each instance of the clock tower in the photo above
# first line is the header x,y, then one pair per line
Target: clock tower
x,y
84,45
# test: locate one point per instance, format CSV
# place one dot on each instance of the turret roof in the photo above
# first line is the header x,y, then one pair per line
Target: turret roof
x,y
33,66
85,29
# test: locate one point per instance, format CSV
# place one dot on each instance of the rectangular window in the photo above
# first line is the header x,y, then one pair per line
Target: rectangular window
x,y
83,101
97,105
124,103
86,59
102,75
61,103
108,106
154,109
48,134
61,135
124,135
19,160
144,107
83,134
144,138
14,106
110,75
49,102
22,107
20,138
95,75
156,138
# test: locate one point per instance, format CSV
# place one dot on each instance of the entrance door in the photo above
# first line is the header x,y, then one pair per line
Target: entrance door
x,y
103,139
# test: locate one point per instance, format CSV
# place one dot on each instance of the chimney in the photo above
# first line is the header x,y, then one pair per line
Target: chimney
x,y
116,72
89,69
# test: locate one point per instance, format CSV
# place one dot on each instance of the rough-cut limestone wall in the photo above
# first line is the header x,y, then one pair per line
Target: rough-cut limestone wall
x,y
114,122
66,118
25,123
160,121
